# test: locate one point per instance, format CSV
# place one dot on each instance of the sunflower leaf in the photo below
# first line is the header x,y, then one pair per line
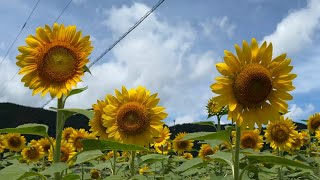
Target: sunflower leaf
x,y
207,123
73,92
153,158
91,144
189,164
71,177
32,128
30,174
69,112
54,168
88,155
86,69
221,135
14,171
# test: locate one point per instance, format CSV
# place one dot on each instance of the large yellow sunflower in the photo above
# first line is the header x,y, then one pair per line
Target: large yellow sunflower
x,y
281,134
133,116
54,59
206,150
163,137
314,122
182,145
33,153
77,136
251,139
67,151
96,122
163,149
254,85
15,142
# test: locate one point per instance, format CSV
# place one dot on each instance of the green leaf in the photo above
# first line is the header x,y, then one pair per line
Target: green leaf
x,y
32,128
223,157
103,166
153,158
213,143
207,123
189,164
276,160
13,172
221,135
88,156
30,174
73,92
71,177
91,144
54,168
69,112
114,177
86,69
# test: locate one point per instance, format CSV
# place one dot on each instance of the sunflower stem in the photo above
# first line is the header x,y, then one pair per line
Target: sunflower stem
x,y
237,150
82,172
59,126
114,162
219,124
132,170
219,129
280,168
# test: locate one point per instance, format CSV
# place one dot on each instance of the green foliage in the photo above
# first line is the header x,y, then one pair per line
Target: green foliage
x,y
86,156
91,144
54,168
34,129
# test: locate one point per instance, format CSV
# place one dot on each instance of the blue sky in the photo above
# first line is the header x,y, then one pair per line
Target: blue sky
x,y
174,51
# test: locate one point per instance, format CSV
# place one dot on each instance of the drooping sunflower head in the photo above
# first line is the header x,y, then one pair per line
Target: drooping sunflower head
x,y
96,123
281,134
253,85
54,59
95,174
67,151
33,153
15,142
182,145
133,116
163,137
77,136
187,156
163,149
206,150
314,122
251,139
213,107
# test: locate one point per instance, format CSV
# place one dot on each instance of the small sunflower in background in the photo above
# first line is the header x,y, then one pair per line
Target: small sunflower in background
x,y
213,107
67,151
96,123
164,149
253,85
44,143
77,136
133,117
281,134
313,123
95,174
66,132
305,137
206,150
296,144
145,170
15,142
251,139
54,59
179,145
163,137
187,156
3,143
32,153
318,135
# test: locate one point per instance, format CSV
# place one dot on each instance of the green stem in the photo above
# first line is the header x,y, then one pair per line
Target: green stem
x,y
82,172
219,129
219,124
59,126
114,162
132,170
237,150
162,162
280,169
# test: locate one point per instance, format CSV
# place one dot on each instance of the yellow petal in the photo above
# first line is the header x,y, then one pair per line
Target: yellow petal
x,y
224,69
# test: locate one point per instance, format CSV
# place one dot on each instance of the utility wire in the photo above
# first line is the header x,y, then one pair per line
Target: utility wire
x,y
120,38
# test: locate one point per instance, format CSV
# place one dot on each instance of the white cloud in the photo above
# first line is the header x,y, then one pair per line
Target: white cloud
x,y
298,113
218,24
296,30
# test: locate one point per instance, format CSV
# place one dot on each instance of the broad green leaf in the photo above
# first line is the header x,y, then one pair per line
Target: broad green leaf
x,y
221,135
191,171
86,69
68,112
213,143
114,177
189,164
71,177
91,144
222,157
153,158
73,92
139,177
13,172
207,123
32,128
54,168
276,160
88,155
30,174
103,166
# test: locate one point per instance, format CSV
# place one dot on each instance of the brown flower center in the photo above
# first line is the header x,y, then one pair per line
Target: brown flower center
x,y
77,142
46,147
64,154
280,133
248,141
253,85
315,123
182,144
58,65
33,153
95,174
14,142
132,118
208,151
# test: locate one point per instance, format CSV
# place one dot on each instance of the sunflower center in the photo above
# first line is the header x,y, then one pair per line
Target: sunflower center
x,y
182,144
15,142
315,124
95,174
59,64
208,151
33,153
253,85
46,148
77,142
64,155
247,141
132,118
280,133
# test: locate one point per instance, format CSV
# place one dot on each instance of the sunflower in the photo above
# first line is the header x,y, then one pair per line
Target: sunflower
x,y
96,122
251,139
163,137
187,156
182,145
254,85
213,107
145,170
44,143
33,153
67,151
206,150
54,59
109,155
281,134
95,174
67,132
297,144
15,142
318,135
133,116
77,136
163,149
314,122
3,144
305,137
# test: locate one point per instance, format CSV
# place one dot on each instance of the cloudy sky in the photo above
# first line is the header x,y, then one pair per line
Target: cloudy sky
x,y
173,52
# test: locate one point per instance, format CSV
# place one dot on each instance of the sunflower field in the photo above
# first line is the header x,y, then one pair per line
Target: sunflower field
x,y
128,138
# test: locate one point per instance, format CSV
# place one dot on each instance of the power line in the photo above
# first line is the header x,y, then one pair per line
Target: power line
x,y
119,39
24,25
